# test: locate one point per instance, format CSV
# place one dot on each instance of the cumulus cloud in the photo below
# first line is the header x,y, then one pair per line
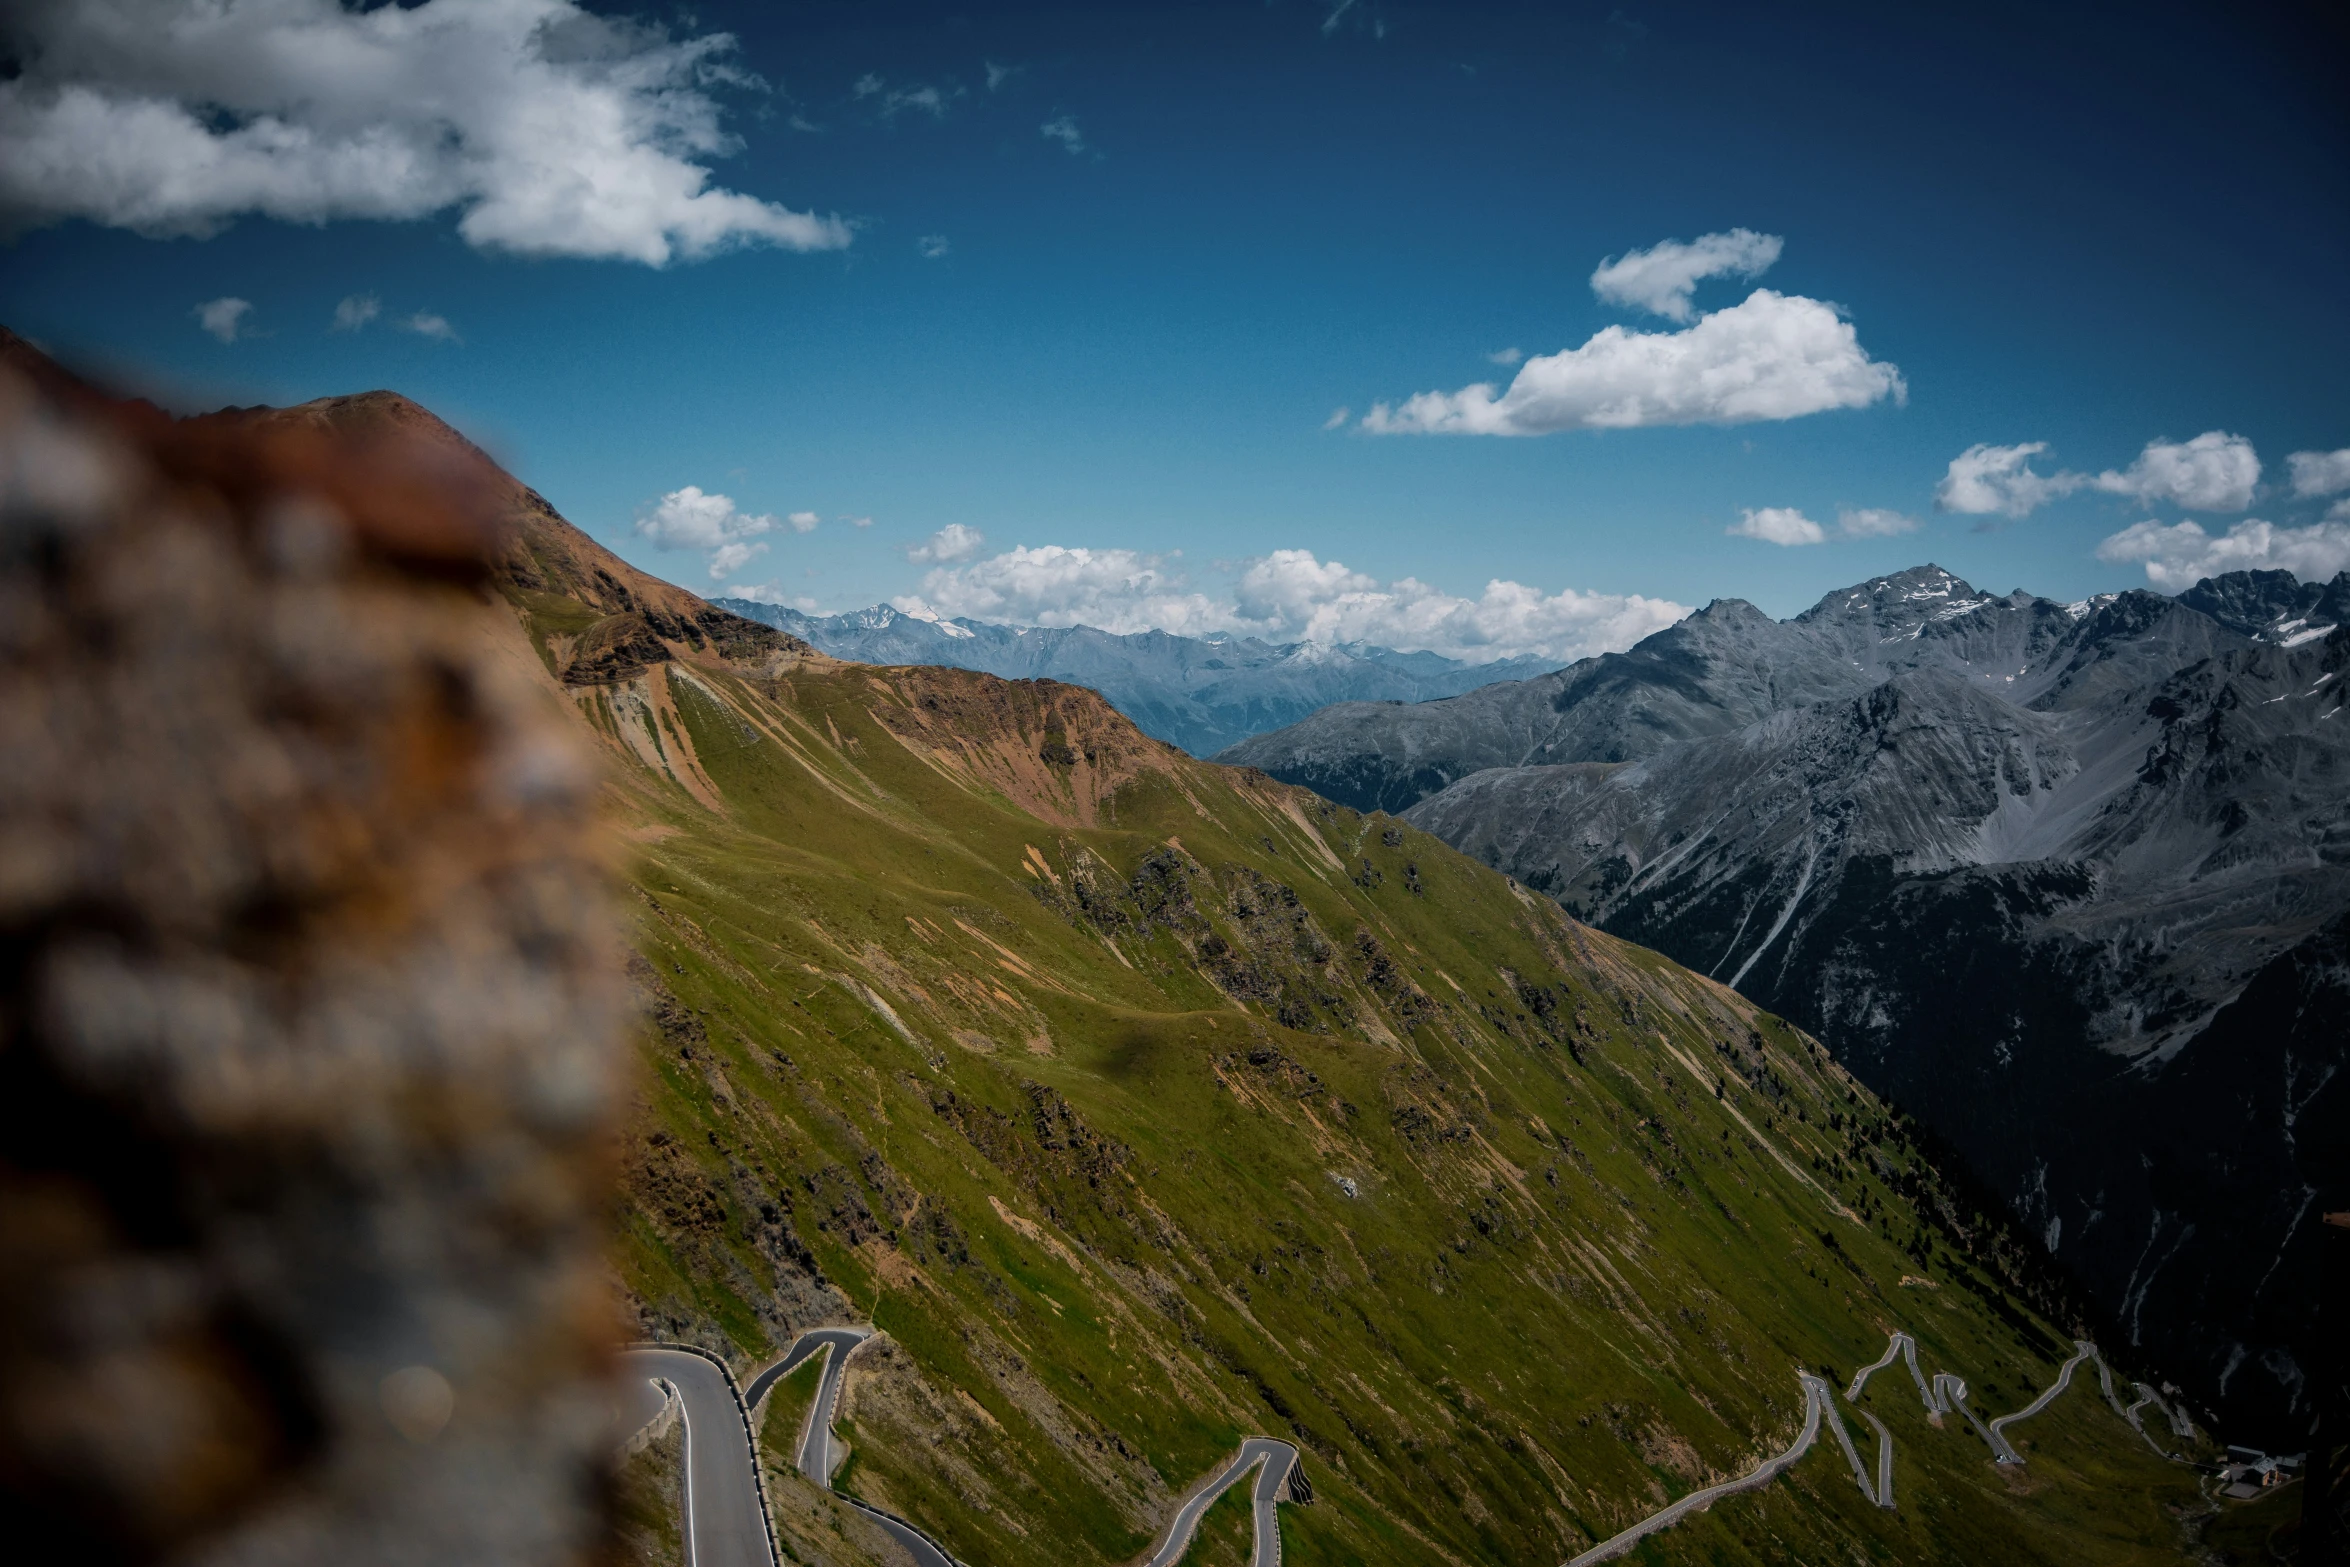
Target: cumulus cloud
x,y
2320,473
1772,356
1777,525
932,246
1873,522
2215,471
949,544
2182,554
551,130
1286,596
1063,129
1337,419
1987,480
1662,278
425,324
224,318
693,519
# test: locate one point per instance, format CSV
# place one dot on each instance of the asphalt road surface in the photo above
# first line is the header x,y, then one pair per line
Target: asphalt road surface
x,y
726,1526
1943,1395
1277,1460
725,1517
815,1456
1815,1398
726,1521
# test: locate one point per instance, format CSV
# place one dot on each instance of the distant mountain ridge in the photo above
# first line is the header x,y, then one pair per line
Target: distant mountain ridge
x,y
1200,693
2072,881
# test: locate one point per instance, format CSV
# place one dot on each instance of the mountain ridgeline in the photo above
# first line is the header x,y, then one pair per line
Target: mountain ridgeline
x,y
1145,1105
1200,693
2071,880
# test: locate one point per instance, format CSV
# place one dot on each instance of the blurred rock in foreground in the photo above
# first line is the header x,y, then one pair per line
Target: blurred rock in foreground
x,y
310,1028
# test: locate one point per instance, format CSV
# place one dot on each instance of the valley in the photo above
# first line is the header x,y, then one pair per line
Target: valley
x,y
2070,880
1142,1106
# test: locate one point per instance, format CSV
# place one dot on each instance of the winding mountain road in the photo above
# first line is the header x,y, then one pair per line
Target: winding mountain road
x,y
1277,1459
726,1516
726,1508
1815,1398
726,1523
1942,1395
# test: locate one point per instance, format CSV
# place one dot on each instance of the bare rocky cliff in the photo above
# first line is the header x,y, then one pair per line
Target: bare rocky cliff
x,y
311,1035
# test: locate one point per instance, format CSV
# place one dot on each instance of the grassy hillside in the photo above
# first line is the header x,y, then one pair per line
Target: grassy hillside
x,y
1146,1105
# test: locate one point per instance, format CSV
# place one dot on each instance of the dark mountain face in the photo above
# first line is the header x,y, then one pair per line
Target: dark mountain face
x,y
1713,673
1201,693
2272,606
2069,881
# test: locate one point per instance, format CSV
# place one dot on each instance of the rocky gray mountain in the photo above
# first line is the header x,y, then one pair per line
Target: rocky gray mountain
x,y
2070,881
1201,693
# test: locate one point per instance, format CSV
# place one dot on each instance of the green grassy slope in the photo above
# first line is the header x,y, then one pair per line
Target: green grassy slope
x,y
1146,1105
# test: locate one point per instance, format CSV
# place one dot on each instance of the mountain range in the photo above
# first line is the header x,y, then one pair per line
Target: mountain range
x,y
2070,880
1201,693
1144,1105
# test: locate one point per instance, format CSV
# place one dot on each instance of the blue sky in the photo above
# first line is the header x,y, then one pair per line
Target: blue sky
x,y
1096,279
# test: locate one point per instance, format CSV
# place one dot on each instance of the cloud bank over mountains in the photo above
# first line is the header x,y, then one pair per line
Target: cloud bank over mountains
x,y
1771,356
2215,472
2181,554
554,131
1286,596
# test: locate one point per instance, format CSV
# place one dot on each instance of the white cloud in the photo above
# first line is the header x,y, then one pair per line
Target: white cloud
x,y
1986,479
425,324
1873,522
1777,525
727,559
553,131
355,311
775,593
1052,585
1337,419
803,521
692,519
997,75
2182,554
951,543
224,318
2213,472
1661,278
1506,356
1286,596
859,522
1773,356
932,246
1063,129
2320,473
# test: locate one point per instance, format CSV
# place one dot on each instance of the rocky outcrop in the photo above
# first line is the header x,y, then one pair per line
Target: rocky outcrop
x,y
310,1038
